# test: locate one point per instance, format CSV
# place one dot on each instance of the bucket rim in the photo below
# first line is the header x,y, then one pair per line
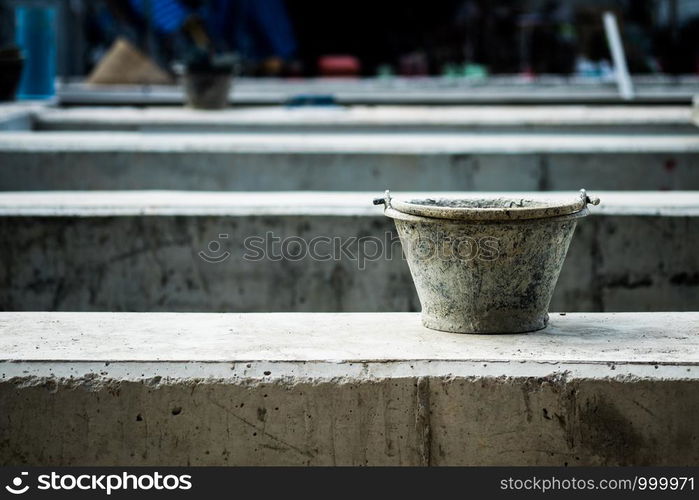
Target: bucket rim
x,y
395,214
483,208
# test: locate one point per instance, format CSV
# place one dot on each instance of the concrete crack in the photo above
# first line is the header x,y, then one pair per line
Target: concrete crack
x,y
422,421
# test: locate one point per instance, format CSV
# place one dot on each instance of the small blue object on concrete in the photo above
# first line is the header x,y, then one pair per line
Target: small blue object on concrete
x,y
300,100
36,37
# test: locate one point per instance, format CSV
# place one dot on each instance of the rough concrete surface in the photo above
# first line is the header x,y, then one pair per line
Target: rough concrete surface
x,y
140,252
346,162
361,389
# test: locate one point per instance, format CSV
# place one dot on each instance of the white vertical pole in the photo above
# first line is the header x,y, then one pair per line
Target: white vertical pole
x,y
621,71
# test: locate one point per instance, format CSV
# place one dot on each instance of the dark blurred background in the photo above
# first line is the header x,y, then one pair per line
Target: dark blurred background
x,y
370,38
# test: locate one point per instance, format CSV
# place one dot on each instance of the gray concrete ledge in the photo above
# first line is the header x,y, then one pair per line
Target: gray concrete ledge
x,y
435,90
322,389
534,119
322,203
141,251
115,142
346,162
520,119
19,116
592,342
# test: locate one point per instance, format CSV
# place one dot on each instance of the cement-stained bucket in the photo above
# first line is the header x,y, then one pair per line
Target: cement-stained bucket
x,y
207,90
486,264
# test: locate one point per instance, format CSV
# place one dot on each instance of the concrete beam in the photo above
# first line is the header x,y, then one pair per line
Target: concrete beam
x,y
440,162
345,389
436,90
144,251
483,119
18,116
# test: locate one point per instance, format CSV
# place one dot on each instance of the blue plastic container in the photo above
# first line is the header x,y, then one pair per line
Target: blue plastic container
x,y
36,36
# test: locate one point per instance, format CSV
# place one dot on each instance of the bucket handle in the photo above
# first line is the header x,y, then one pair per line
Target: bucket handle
x,y
587,199
386,200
